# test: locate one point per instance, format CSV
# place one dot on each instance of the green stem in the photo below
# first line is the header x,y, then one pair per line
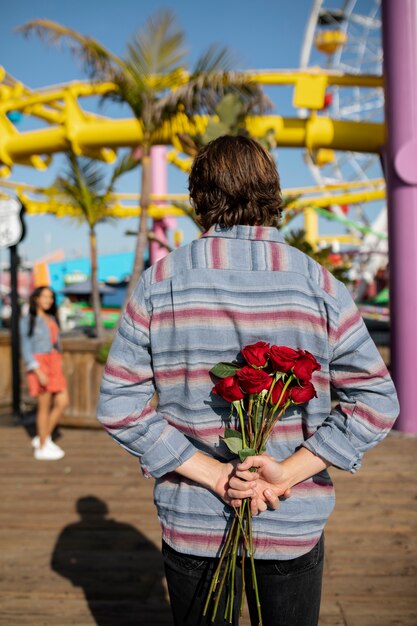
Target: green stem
x,y
258,404
231,598
261,441
250,429
273,421
242,599
252,563
216,574
242,424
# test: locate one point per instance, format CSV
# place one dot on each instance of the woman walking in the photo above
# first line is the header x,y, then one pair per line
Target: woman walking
x,y
41,348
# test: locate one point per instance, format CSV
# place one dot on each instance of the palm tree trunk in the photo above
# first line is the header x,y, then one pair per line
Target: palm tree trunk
x,y
142,238
95,286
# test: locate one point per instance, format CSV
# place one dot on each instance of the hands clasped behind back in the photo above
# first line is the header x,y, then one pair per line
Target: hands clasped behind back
x,y
264,487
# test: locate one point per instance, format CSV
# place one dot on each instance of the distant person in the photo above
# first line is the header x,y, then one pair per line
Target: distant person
x,y
41,348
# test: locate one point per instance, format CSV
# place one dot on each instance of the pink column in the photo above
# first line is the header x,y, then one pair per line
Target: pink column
x,y
400,70
159,177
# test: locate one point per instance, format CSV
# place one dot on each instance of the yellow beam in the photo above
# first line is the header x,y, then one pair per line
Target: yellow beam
x,y
313,133
366,193
344,239
343,198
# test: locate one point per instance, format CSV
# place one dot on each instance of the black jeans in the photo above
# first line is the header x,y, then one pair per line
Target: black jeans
x,y
289,591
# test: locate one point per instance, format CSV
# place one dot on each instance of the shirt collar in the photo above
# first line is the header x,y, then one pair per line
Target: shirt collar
x,y
240,231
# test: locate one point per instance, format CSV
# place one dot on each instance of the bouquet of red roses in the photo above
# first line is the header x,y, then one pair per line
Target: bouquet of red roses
x,y
259,391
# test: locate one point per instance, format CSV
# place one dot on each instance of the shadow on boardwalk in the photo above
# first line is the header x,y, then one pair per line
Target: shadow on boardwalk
x,y
111,562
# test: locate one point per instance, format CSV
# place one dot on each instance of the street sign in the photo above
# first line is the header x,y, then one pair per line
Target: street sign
x,y
11,227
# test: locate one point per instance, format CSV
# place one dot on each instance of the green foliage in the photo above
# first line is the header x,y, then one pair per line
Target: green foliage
x,y
243,454
233,440
85,186
231,113
296,238
222,370
155,63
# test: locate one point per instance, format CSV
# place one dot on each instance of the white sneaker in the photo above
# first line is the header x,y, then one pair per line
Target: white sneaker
x,y
48,442
48,453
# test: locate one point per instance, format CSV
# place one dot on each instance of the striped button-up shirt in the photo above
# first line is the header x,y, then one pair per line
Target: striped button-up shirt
x,y
200,305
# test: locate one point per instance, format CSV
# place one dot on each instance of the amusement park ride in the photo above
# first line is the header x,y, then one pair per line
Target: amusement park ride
x,y
316,93
339,123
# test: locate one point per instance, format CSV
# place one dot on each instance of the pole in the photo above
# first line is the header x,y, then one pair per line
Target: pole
x,y
399,21
159,185
14,329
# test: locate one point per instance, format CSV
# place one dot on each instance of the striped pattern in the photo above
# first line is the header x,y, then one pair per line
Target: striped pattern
x,y
200,305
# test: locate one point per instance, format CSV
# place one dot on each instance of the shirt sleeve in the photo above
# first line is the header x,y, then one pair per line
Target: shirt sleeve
x,y
26,345
127,388
368,404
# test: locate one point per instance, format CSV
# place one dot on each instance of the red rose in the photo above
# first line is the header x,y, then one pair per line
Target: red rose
x,y
228,388
253,381
305,366
302,393
256,354
283,358
277,391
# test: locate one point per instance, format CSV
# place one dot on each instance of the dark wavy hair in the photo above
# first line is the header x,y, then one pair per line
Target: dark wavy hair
x,y
53,310
234,180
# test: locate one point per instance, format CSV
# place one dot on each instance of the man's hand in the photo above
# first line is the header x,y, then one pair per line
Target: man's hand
x,y
270,483
215,475
221,487
275,479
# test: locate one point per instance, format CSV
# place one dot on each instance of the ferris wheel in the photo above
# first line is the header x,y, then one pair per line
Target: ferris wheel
x,y
345,36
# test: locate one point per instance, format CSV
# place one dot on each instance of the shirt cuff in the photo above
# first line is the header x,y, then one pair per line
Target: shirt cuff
x,y
334,447
33,365
170,451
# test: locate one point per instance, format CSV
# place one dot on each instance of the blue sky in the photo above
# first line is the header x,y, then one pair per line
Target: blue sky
x,y
263,35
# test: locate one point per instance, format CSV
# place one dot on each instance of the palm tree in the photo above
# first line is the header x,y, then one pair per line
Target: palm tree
x,y
152,79
85,186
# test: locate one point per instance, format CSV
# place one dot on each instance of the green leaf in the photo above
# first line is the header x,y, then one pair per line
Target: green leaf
x,y
222,370
230,109
246,452
233,440
214,130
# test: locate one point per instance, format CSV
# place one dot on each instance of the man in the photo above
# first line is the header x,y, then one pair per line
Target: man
x,y
238,284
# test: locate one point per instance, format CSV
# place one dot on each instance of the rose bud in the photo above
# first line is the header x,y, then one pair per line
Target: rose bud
x,y
253,381
282,358
305,365
228,389
302,393
256,354
276,393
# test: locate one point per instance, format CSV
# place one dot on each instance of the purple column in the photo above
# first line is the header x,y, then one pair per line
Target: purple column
x,y
159,182
399,20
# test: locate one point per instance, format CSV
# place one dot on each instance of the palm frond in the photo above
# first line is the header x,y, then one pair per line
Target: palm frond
x,y
203,92
158,48
100,63
215,59
125,164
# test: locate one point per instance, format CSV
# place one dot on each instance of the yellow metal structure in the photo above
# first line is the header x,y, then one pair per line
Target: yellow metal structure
x,y
92,135
39,201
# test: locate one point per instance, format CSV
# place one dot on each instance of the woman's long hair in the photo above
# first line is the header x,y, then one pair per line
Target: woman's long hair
x,y
53,310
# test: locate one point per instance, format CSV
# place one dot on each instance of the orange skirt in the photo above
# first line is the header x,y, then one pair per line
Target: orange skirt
x,y
50,364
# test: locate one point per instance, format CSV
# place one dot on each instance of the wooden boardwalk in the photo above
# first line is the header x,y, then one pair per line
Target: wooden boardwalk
x,y
79,538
